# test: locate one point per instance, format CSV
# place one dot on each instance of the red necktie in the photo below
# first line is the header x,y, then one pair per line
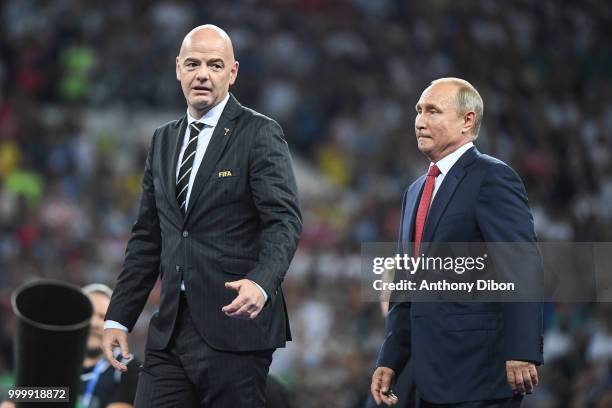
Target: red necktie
x,y
421,215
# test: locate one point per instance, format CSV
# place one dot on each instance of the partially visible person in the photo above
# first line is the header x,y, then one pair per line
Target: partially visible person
x,y
103,386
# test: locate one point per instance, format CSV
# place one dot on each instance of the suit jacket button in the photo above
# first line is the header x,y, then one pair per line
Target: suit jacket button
x,y
185,234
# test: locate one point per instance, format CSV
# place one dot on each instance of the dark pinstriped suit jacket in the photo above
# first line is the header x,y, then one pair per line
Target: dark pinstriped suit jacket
x,y
243,221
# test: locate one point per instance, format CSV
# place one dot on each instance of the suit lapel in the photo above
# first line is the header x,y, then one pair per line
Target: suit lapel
x,y
445,192
410,207
214,150
170,160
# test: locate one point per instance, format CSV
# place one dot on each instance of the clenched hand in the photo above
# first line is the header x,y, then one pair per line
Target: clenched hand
x,y
522,376
381,386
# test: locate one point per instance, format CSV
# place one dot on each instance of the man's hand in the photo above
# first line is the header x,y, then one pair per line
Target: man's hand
x,y
111,339
522,376
381,386
248,303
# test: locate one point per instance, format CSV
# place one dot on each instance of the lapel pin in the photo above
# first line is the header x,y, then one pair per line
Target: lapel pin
x,y
226,131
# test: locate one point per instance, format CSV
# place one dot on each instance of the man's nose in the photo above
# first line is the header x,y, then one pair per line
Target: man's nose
x,y
419,123
203,73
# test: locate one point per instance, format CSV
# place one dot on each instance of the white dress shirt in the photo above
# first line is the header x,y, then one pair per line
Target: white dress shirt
x,y
446,163
210,120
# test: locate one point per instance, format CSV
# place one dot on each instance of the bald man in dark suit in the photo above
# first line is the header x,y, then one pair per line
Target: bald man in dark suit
x,y
219,222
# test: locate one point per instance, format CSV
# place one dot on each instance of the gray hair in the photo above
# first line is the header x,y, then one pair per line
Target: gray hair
x,y
98,288
467,100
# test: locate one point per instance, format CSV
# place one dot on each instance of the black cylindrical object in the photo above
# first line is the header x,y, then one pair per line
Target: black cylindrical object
x,y
51,335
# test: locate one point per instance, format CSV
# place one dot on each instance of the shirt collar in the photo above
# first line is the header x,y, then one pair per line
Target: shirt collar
x,y
449,161
210,118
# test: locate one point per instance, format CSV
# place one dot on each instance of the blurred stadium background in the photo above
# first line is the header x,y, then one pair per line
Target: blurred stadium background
x,y
83,84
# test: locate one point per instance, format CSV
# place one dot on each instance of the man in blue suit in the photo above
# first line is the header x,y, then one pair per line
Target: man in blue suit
x,y
463,354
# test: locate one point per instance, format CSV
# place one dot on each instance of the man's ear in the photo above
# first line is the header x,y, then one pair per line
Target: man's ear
x,y
233,72
178,75
469,120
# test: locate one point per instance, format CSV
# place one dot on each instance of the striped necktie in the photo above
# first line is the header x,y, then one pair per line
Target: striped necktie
x,y
182,184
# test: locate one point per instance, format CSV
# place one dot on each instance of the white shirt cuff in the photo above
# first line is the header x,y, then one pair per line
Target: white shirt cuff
x,y
111,324
262,291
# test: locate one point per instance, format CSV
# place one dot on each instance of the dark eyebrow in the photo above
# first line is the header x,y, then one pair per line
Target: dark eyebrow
x,y
212,61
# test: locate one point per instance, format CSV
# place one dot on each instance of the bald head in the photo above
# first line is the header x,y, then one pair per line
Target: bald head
x,y
206,68
209,34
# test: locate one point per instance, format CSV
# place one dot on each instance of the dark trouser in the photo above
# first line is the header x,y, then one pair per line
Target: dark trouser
x,y
189,373
514,402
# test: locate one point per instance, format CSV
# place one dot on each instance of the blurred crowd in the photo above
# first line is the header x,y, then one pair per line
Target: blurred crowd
x,y
84,84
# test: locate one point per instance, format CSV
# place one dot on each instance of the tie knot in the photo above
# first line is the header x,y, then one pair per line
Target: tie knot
x,y
434,171
196,127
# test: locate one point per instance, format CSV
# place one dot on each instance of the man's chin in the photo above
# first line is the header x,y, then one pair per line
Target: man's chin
x,y
201,104
424,146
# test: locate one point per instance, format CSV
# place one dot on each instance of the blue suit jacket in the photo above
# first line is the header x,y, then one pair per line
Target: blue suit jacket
x,y
459,349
